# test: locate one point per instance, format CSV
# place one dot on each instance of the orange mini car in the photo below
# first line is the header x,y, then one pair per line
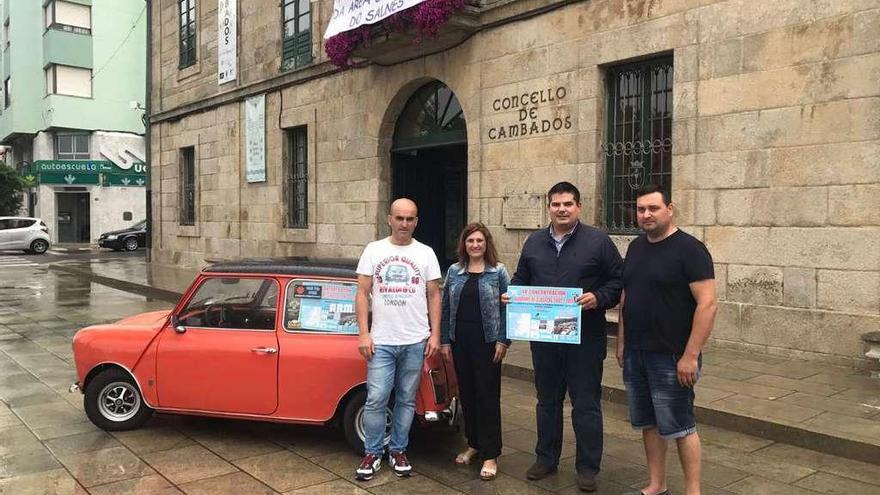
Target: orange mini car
x,y
261,339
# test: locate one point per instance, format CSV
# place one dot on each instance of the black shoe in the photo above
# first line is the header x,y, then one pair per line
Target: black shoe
x,y
539,472
587,482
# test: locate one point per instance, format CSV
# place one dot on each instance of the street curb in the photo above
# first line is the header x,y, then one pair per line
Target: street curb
x,y
790,434
124,285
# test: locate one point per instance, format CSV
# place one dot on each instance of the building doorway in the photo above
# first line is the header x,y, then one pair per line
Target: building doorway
x,y
72,213
429,166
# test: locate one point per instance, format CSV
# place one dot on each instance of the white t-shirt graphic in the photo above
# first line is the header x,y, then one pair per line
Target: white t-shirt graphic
x,y
400,280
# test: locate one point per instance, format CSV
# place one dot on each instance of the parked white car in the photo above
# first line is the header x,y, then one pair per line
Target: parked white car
x,y
28,234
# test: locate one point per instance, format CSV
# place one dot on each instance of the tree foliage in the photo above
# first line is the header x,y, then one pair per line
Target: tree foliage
x,y
11,188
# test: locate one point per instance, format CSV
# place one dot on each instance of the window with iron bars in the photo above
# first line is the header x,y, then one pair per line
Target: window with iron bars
x,y
187,12
637,148
188,186
296,45
297,178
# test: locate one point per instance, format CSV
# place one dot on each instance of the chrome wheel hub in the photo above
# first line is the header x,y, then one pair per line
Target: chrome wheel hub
x,y
119,401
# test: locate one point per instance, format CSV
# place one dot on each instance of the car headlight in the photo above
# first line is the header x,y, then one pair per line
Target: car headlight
x,y
111,237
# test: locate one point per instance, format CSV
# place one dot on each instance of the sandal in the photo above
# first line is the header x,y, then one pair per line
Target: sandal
x,y
466,456
488,473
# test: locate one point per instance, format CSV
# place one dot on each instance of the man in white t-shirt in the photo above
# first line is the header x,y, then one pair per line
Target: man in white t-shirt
x,y
403,277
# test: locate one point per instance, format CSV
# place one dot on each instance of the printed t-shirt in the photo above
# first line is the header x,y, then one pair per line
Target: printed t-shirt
x,y
399,296
659,308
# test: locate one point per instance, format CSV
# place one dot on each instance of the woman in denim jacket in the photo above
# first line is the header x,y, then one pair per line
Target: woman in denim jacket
x,y
474,331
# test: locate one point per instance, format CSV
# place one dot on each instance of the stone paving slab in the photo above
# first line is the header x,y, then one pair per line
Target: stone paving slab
x,y
833,409
49,448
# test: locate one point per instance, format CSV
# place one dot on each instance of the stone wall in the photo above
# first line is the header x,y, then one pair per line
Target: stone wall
x,y
776,154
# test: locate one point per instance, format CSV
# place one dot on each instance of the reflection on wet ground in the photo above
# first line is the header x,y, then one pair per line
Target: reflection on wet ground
x,y
48,446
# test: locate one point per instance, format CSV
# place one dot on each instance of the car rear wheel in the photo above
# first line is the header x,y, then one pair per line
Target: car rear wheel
x,y
353,422
130,244
39,246
113,401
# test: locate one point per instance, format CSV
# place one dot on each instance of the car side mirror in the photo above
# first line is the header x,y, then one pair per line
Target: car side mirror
x,y
175,324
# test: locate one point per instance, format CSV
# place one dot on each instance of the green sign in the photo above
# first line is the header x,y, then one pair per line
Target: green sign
x,y
125,180
76,172
68,178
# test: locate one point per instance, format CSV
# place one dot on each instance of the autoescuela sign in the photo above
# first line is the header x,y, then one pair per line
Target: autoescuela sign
x,y
349,14
529,120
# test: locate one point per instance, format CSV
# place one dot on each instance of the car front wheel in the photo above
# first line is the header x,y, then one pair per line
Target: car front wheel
x,y
353,422
130,244
39,246
113,401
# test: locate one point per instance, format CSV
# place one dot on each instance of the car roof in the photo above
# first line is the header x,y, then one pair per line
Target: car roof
x,y
19,218
294,265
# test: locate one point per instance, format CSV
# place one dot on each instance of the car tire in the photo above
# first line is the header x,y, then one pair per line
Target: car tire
x,y
130,244
113,401
352,421
39,246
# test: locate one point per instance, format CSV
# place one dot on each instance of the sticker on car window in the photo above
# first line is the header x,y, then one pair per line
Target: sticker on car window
x,y
321,306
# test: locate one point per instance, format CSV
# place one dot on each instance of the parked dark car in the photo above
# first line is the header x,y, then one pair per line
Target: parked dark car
x,y
128,239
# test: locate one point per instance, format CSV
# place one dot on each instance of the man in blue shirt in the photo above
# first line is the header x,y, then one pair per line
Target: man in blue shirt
x,y
571,254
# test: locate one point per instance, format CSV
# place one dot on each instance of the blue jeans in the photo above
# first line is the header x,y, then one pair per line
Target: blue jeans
x,y
656,398
397,367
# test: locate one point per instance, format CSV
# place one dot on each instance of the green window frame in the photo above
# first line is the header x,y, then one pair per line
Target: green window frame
x,y
188,186
297,178
188,38
296,44
637,147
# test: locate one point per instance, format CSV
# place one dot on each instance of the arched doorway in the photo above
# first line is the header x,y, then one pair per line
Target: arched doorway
x,y
429,165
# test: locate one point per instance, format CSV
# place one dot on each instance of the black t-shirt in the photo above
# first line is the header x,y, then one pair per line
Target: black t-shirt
x,y
659,307
469,301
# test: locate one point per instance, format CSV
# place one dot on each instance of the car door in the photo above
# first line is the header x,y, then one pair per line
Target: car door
x,y
5,233
222,355
22,233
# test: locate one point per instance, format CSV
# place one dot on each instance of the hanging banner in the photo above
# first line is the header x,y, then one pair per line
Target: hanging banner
x,y
227,40
349,14
255,138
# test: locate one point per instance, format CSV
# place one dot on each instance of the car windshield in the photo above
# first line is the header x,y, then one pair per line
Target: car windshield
x,y
139,225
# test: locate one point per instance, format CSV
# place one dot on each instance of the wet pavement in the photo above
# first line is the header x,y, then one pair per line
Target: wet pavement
x,y
48,446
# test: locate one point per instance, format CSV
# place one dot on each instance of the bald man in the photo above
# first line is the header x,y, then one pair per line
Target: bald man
x,y
403,277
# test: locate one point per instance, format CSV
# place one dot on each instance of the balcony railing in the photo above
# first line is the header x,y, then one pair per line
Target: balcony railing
x,y
392,47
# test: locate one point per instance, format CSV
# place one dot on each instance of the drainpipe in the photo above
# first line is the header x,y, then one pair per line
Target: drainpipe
x,y
148,130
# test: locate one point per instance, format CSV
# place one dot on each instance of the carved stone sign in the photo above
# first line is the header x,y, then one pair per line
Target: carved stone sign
x,y
529,120
523,211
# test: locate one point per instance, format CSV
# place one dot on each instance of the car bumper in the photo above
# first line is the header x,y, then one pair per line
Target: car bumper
x,y
446,415
114,244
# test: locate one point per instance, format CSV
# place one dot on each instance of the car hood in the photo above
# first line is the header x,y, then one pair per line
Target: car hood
x,y
150,319
122,231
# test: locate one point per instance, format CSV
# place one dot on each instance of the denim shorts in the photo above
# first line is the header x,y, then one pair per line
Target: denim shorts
x,y
655,396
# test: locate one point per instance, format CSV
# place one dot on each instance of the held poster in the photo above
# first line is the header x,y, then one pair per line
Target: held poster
x,y
544,314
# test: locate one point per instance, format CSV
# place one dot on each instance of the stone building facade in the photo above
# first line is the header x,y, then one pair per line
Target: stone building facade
x,y
764,117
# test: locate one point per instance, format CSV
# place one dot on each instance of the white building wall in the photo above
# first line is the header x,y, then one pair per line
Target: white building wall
x,y
107,204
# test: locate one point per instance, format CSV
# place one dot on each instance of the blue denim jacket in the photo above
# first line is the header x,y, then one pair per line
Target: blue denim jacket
x,y
493,282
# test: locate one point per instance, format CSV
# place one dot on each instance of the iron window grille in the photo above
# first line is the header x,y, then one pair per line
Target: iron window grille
x,y
188,186
187,32
297,178
296,45
638,143
72,147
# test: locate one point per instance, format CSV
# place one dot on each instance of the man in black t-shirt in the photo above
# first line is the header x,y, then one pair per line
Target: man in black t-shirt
x,y
667,311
